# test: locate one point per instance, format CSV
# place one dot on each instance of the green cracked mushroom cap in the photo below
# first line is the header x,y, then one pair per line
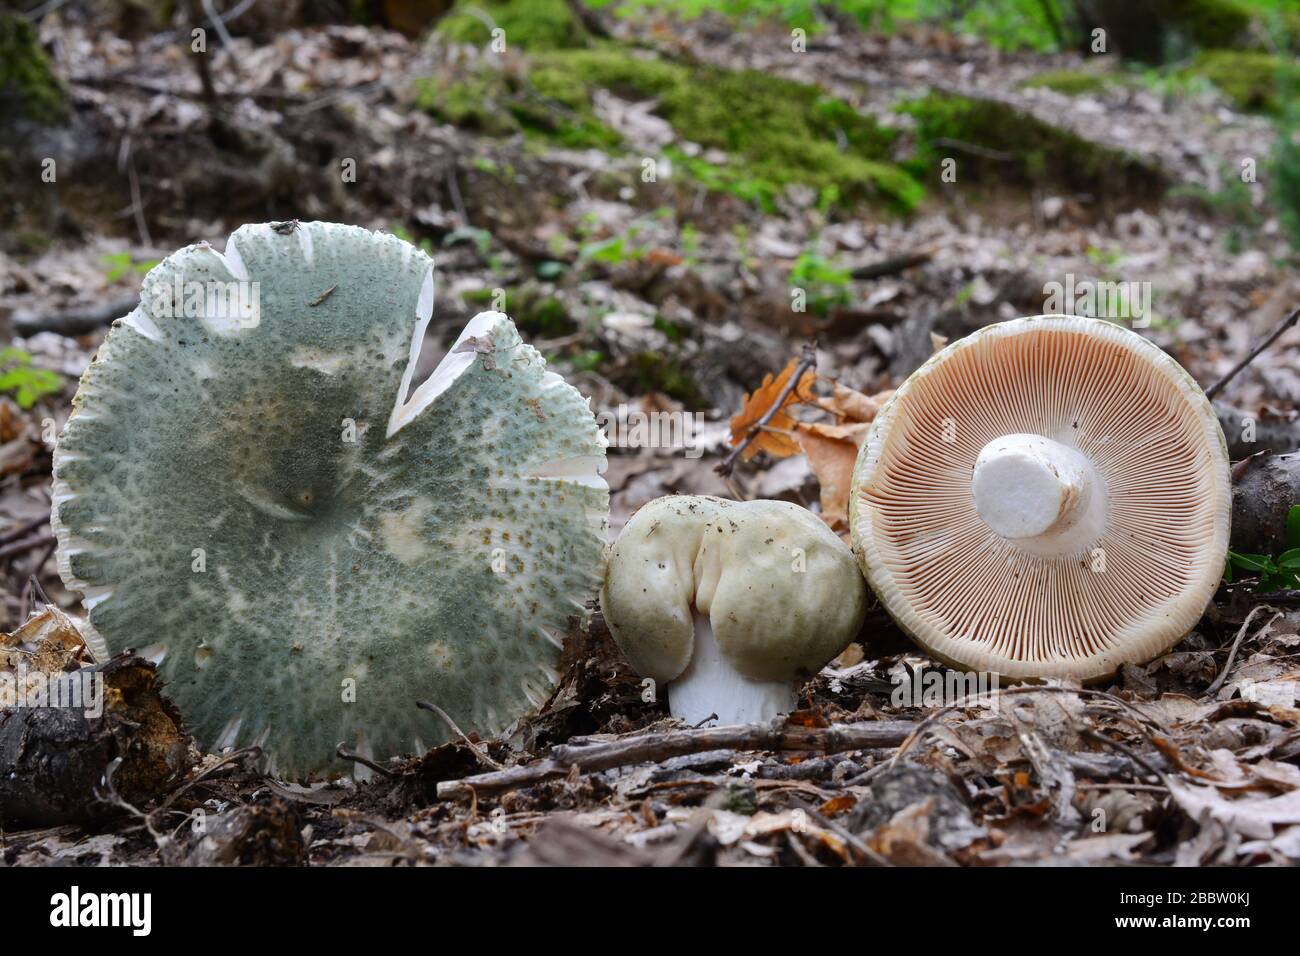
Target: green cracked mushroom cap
x,y
245,492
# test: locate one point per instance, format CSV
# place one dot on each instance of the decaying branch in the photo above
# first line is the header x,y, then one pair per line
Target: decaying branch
x,y
640,748
1273,336
1248,433
1261,499
53,760
78,319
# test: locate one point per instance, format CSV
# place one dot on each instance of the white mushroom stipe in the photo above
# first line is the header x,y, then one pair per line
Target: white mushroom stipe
x,y
711,685
728,605
1041,494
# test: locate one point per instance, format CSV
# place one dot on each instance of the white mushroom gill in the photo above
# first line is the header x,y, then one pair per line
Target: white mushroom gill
x,y
1046,497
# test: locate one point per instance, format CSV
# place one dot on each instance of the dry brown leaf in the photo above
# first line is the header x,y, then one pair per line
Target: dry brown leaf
x,y
1249,817
832,451
848,404
837,805
904,840
757,405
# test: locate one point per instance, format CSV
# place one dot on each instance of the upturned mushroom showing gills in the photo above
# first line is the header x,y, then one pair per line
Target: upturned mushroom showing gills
x,y
1048,497
726,604
246,488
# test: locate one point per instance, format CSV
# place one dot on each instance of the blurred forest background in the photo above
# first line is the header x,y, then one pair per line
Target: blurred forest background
x,y
669,198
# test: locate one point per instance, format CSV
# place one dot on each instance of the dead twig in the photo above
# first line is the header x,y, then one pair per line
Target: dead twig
x,y
77,319
1127,752
255,752
23,545
32,589
1236,643
27,526
645,747
1289,321
807,362
343,753
892,265
446,719
1136,716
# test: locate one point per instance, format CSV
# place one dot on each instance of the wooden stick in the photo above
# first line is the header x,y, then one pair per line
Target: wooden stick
x,y
1217,387
642,748
892,265
23,545
1232,654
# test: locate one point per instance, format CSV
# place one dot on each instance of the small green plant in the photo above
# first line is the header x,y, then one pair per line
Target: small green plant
x,y
481,238
425,245
122,263
827,285
27,383
689,238
1275,574
613,251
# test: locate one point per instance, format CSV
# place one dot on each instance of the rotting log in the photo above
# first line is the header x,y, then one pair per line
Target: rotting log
x,y
1261,499
1274,435
53,760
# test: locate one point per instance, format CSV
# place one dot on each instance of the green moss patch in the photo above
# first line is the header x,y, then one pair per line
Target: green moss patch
x,y
527,24
1070,82
991,140
774,132
533,308
1207,22
667,374
28,87
1256,82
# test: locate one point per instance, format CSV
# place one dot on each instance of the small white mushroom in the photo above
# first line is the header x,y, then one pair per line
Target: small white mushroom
x,y
727,604
1048,497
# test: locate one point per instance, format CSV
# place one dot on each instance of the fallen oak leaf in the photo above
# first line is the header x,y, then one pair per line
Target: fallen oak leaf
x,y
832,451
850,405
837,805
1249,817
760,403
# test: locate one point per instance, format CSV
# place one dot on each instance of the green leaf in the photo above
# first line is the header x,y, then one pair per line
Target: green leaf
x,y
481,238
28,384
1289,560
1282,581
1293,527
1259,563
550,269
120,263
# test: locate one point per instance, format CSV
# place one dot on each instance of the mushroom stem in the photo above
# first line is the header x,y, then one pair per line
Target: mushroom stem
x,y
711,685
1041,494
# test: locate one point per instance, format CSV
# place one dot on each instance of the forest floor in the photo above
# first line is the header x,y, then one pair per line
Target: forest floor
x,y
675,295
